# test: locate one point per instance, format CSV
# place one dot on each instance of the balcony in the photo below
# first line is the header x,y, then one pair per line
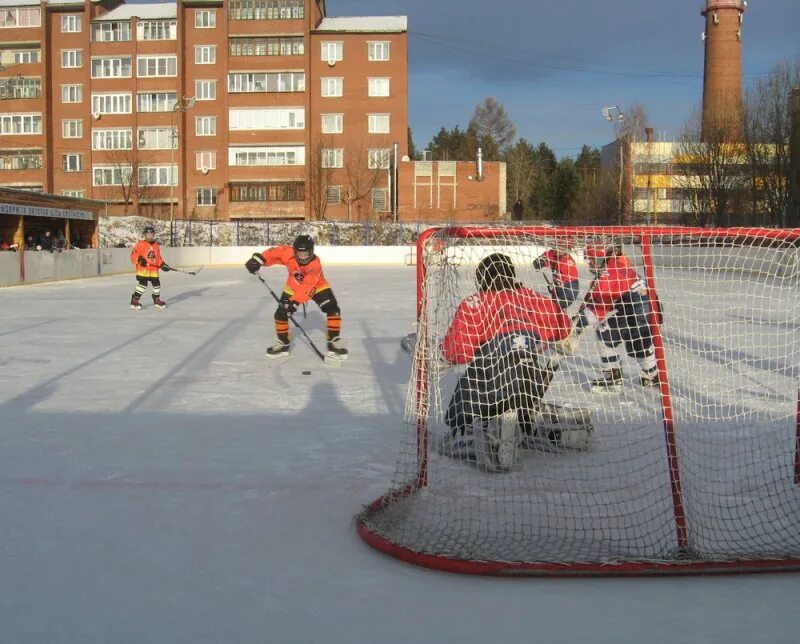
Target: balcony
x,y
20,88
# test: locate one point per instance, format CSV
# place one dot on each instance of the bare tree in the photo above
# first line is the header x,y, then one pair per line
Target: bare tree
x,y
632,127
521,167
319,178
360,178
129,191
711,172
767,134
490,121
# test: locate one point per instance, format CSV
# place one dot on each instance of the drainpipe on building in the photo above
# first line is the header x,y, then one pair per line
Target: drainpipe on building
x,y
479,166
394,181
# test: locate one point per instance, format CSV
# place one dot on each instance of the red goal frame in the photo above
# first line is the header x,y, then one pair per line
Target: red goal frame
x,y
644,235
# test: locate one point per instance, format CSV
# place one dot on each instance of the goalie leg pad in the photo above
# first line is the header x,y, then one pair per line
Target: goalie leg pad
x,y
497,446
567,428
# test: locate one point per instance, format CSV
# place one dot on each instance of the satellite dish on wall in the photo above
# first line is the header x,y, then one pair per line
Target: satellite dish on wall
x,y
96,116
204,170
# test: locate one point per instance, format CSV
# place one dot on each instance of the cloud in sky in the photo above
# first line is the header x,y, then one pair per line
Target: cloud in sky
x,y
554,65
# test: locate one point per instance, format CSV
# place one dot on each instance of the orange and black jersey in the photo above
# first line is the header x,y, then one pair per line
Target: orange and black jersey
x,y
305,280
151,252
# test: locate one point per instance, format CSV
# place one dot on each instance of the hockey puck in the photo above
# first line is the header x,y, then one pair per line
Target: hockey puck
x,y
306,373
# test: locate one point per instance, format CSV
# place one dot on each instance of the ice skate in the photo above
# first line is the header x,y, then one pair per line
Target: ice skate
x,y
159,303
611,380
336,350
136,305
278,350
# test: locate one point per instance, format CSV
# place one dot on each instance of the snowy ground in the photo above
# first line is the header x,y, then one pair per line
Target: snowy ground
x,y
160,481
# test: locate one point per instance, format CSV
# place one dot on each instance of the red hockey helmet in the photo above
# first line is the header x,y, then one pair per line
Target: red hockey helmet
x,y
596,255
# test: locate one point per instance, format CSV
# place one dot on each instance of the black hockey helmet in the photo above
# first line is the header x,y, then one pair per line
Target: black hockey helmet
x,y
496,273
303,248
148,231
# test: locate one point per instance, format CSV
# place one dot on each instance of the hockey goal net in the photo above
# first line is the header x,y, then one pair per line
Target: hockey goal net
x,y
699,473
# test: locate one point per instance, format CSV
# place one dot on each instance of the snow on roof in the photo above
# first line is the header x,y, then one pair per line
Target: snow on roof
x,y
19,3
365,24
144,11
56,3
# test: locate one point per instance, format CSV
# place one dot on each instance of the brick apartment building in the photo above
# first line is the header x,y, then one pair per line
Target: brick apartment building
x,y
207,109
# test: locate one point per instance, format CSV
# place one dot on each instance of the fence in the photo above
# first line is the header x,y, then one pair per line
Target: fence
x,y
126,231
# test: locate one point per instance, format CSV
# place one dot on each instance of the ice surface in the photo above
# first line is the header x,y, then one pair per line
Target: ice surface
x,y
161,481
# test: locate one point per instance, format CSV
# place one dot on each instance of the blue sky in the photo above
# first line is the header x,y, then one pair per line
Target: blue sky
x,y
554,65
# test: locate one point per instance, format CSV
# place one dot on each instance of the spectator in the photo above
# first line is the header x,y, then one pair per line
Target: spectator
x,y
518,210
60,241
47,241
30,243
77,241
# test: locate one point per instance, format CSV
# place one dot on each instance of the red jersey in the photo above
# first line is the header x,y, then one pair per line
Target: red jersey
x,y
484,315
562,265
151,251
305,280
618,278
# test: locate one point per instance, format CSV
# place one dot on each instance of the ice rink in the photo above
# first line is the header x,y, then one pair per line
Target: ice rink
x,y
162,481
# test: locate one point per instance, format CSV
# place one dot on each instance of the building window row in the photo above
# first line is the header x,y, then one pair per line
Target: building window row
x,y
150,66
20,123
332,51
20,159
157,30
380,197
333,87
112,139
158,175
277,191
266,155
266,82
289,118
111,104
267,46
72,93
206,196
205,125
72,128
71,24
205,90
111,31
157,138
266,9
20,56
120,31
156,101
377,158
79,194
18,87
15,17
205,161
72,162
376,123
112,175
205,18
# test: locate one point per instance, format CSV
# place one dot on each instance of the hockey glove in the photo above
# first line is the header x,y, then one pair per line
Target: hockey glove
x,y
539,263
288,306
254,263
165,267
142,261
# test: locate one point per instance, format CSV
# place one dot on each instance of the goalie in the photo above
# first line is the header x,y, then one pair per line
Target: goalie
x,y
502,333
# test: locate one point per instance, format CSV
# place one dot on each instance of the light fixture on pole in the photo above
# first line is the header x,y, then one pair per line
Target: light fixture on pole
x,y
180,106
615,116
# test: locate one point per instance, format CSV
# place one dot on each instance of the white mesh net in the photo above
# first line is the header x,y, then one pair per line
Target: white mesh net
x,y
510,458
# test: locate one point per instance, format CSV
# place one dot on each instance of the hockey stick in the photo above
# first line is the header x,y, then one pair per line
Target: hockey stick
x,y
194,272
306,339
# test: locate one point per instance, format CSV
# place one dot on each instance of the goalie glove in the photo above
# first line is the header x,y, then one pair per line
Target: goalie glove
x,y
539,263
254,263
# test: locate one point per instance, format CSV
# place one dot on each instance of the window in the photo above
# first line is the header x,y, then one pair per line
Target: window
x,y
277,191
19,87
206,161
266,9
332,158
206,197
112,139
332,86
267,82
78,194
26,56
205,125
111,67
111,103
157,138
378,159
278,118
72,162
333,195
332,52
205,54
148,66
70,24
205,18
20,123
72,93
20,159
378,50
72,128
267,46
332,123
205,90
156,101
158,175
267,155
71,58
111,31
378,123
379,87
20,17
157,30
380,201
111,175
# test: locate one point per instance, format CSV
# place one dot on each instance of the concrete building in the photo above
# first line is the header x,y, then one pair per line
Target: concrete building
x,y
208,109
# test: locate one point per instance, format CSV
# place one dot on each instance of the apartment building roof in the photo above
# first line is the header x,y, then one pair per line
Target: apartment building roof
x,y
58,3
19,3
144,11
364,24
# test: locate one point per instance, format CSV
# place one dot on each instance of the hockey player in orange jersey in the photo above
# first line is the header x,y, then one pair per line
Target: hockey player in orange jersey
x,y
306,282
146,257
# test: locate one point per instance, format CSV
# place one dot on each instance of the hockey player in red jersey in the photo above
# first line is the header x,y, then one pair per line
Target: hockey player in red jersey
x,y
306,282
500,333
618,307
146,257
564,270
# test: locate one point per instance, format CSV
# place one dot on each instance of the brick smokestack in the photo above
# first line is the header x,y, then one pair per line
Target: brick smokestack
x,y
722,81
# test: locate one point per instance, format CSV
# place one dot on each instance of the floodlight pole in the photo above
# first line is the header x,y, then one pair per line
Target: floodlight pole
x,y
614,115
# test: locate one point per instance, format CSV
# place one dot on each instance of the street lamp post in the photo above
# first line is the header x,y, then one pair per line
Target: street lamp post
x,y
180,106
614,115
